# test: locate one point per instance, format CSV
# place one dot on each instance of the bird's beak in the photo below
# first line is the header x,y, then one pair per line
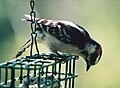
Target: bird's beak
x,y
88,67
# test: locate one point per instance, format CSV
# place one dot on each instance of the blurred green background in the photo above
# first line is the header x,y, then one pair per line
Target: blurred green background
x,y
101,18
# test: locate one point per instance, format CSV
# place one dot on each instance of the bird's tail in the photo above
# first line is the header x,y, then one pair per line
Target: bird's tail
x,y
24,48
28,43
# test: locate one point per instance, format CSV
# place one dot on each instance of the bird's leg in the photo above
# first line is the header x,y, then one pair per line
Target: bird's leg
x,y
58,54
65,56
55,53
62,56
77,57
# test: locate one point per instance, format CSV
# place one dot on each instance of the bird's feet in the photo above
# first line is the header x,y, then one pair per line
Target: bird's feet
x,y
63,57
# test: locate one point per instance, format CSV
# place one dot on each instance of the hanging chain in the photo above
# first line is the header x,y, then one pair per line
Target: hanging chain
x,y
33,27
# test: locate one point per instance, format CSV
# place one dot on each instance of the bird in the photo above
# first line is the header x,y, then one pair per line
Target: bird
x,y
66,37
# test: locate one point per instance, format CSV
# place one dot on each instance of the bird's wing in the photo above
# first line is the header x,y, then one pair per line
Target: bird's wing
x,y
67,32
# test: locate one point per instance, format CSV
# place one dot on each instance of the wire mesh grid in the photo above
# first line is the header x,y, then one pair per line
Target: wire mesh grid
x,y
39,71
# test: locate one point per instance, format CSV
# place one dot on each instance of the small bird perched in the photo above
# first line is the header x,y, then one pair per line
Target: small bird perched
x,y
66,37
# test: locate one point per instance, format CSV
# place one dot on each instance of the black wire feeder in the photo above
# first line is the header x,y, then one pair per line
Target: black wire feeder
x,y
41,70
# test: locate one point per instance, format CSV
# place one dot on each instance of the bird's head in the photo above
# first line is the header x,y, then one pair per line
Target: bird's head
x,y
93,54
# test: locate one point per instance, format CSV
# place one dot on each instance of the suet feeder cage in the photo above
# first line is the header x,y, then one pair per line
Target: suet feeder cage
x,y
44,71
